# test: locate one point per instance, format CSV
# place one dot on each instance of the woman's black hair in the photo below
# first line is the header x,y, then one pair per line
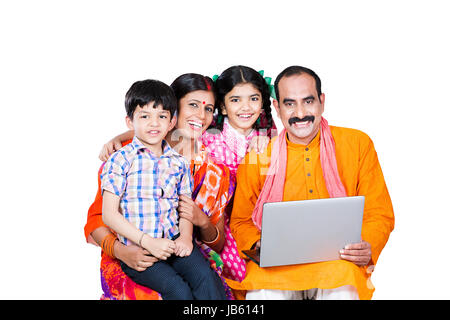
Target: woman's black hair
x,y
238,75
190,82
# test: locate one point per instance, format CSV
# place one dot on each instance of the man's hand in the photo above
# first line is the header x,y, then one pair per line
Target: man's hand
x,y
358,253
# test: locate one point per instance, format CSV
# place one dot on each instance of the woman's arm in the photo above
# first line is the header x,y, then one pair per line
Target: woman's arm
x,y
209,234
133,256
115,144
214,235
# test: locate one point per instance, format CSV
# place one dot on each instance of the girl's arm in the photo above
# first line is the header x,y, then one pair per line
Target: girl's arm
x,y
115,144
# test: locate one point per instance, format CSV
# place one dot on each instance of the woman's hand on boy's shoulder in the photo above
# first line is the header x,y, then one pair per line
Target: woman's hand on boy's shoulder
x,y
109,148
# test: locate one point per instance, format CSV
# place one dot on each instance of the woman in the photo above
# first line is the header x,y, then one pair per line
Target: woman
x,y
212,192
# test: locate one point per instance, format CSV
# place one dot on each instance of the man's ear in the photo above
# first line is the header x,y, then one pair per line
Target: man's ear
x,y
129,123
322,101
277,107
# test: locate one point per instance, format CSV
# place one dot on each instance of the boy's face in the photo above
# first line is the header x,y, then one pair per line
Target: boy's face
x,y
151,125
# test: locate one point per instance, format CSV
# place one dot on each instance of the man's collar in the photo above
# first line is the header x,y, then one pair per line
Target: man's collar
x,y
314,142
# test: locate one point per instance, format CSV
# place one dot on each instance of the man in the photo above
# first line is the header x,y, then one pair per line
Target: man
x,y
310,160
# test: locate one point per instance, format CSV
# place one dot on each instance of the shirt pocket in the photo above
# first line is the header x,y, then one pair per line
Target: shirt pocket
x,y
168,180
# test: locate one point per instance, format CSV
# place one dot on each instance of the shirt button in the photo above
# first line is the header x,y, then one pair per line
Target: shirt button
x,y
310,191
308,174
307,149
307,159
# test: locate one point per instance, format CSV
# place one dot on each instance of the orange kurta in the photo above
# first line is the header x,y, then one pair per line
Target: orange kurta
x,y
360,173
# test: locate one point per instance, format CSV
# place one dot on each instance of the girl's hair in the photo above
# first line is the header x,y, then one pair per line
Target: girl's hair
x,y
238,75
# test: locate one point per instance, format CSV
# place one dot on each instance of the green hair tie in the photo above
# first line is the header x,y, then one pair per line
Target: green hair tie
x,y
268,81
214,77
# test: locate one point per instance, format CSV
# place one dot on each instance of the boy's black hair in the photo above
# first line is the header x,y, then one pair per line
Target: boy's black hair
x,y
297,70
241,74
143,92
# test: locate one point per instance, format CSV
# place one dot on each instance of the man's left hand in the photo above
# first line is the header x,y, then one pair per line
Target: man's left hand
x,y
358,253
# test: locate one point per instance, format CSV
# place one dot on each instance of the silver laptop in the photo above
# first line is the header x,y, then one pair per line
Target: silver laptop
x,y
296,232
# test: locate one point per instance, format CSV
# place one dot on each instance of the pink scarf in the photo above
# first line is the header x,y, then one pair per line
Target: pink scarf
x,y
272,190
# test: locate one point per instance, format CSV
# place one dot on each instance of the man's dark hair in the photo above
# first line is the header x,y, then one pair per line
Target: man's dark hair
x,y
297,70
143,92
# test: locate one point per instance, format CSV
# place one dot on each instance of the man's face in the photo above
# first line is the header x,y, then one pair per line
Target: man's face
x,y
299,107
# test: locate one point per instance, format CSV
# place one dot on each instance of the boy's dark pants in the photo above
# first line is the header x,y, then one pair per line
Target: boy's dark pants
x,y
181,278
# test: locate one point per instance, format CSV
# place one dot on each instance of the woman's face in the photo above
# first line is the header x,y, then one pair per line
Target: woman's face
x,y
243,106
195,113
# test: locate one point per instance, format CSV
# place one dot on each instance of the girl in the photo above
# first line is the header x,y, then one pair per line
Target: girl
x,y
244,121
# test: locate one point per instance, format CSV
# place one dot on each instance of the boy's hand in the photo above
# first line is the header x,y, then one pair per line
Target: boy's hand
x,y
259,143
109,148
161,248
134,256
184,246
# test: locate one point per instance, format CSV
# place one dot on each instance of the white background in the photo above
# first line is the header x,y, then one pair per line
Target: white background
x,y
65,67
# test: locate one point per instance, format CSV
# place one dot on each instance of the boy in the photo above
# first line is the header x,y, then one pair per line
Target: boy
x,y
141,183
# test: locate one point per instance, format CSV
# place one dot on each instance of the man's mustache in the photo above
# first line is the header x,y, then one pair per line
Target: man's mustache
x,y
297,119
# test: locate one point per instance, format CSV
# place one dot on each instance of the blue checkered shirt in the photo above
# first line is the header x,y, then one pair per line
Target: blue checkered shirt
x,y
148,187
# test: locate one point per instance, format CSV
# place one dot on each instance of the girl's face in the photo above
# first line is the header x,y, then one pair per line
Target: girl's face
x,y
195,113
242,106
